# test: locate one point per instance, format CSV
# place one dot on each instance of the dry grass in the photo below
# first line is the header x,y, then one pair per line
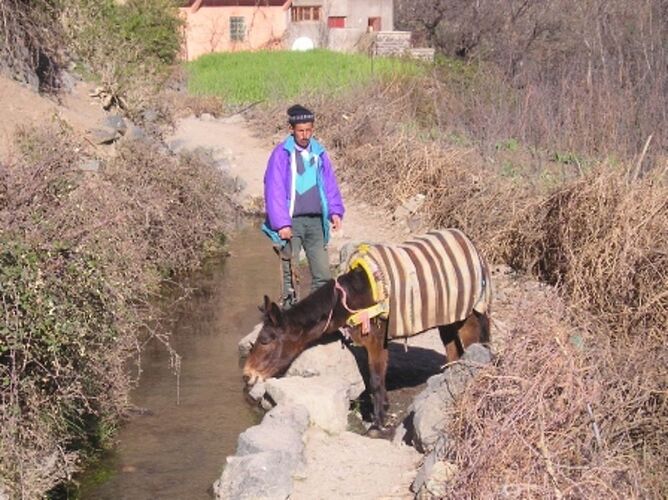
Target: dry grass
x,y
604,240
564,412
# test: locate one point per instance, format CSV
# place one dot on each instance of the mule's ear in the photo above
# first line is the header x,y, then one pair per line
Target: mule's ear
x,y
275,315
264,309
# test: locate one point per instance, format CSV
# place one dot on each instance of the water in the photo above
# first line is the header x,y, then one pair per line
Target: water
x,y
177,451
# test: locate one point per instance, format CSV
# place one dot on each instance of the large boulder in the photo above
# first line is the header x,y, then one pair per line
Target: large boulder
x,y
431,408
268,456
325,398
294,416
271,436
265,475
331,359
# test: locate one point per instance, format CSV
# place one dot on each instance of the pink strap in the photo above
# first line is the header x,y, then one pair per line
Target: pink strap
x,y
344,296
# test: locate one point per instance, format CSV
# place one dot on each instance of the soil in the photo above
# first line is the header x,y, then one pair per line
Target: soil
x,y
22,107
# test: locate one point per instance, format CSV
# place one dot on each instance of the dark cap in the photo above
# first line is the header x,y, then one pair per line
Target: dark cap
x,y
299,114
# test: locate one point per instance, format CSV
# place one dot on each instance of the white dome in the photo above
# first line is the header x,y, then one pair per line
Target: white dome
x,y
303,43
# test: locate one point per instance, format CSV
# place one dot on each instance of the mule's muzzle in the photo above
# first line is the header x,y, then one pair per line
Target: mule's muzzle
x,y
251,377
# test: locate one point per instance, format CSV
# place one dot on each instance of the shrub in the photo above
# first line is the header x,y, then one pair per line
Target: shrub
x,y
82,258
129,47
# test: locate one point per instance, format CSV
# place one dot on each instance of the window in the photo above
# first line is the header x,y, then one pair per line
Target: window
x,y
336,22
305,14
237,29
374,24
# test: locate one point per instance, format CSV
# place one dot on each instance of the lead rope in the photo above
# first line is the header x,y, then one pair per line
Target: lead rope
x,y
366,321
343,302
294,277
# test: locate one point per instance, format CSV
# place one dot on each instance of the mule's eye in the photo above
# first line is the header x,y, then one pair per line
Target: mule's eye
x,y
266,338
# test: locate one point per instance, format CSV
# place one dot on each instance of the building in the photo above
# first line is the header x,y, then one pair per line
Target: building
x,y
338,24
232,25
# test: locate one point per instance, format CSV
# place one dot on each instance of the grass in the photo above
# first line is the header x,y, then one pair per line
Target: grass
x,y
245,77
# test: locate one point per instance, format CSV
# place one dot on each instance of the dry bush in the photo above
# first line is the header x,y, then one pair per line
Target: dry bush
x,y
82,256
603,239
181,104
563,413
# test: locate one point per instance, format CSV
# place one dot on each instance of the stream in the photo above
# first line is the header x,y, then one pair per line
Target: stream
x,y
176,451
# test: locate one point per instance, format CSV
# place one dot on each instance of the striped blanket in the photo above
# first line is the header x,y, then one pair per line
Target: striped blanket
x,y
434,279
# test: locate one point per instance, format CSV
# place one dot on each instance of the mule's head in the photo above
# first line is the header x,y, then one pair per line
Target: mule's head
x,y
277,345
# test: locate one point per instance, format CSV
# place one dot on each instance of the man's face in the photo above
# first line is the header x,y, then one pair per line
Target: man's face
x,y
302,133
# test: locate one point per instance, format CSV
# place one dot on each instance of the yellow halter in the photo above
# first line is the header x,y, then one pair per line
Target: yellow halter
x,y
362,259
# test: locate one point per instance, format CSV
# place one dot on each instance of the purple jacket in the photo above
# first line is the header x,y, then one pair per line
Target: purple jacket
x,y
279,187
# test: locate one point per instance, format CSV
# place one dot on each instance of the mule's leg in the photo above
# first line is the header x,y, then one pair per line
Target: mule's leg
x,y
377,354
458,336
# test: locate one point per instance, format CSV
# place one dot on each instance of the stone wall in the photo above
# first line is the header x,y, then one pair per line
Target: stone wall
x,y
392,43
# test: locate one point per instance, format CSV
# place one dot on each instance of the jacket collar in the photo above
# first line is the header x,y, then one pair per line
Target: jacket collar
x,y
314,146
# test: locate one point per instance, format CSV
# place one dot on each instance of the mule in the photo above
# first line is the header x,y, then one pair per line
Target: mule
x,y
286,333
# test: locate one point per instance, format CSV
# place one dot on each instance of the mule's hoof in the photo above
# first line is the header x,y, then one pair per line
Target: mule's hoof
x,y
376,432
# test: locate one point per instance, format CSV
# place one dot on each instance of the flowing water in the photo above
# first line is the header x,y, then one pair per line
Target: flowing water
x,y
176,451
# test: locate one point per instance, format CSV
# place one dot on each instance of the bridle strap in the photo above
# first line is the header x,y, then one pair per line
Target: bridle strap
x,y
344,297
344,303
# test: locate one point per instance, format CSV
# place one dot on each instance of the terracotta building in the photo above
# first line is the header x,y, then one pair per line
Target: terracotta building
x,y
231,25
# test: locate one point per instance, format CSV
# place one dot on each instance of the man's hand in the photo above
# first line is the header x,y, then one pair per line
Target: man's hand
x,y
285,233
337,223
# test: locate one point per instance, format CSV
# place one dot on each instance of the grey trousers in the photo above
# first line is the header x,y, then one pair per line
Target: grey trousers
x,y
307,233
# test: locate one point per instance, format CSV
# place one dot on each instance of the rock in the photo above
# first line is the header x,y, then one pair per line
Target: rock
x,y
294,415
434,473
409,207
239,184
260,476
332,359
150,115
271,435
233,119
110,129
325,398
68,81
431,407
115,122
135,133
257,391
90,165
436,483
103,135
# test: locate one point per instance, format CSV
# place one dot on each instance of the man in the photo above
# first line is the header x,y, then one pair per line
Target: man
x,y
301,199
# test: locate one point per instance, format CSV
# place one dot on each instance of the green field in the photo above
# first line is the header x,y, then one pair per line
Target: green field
x,y
245,77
